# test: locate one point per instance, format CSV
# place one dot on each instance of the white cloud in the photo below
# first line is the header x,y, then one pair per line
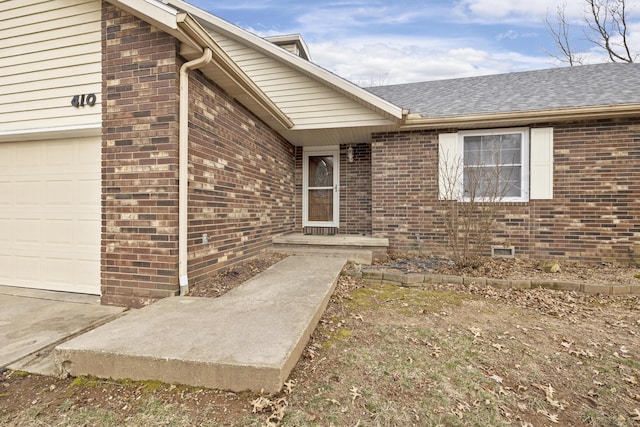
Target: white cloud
x,y
524,12
382,63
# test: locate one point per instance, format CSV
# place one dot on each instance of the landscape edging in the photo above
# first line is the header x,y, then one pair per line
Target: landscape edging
x,y
417,280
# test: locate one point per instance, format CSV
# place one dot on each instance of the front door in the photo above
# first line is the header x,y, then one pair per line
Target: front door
x,y
321,197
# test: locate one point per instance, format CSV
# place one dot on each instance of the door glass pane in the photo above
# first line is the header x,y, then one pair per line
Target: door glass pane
x,y
320,205
320,171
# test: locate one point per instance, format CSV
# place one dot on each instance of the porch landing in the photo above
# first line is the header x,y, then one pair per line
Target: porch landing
x,y
355,248
248,339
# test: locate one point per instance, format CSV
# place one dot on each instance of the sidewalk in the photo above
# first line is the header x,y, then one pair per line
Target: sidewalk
x,y
248,339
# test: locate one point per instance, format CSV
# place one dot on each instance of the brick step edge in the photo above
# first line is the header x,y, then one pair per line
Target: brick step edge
x,y
417,280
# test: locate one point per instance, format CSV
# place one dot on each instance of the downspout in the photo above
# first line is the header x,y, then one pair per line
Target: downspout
x,y
183,167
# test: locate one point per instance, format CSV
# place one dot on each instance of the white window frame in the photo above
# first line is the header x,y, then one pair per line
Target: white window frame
x,y
524,158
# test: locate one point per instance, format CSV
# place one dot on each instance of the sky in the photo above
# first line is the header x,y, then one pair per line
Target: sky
x,y
383,42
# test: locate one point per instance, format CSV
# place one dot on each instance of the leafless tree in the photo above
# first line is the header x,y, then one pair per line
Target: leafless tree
x,y
606,27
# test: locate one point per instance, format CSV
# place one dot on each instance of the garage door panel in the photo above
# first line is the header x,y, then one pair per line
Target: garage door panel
x,y
59,154
59,193
28,194
86,235
50,214
85,191
27,157
59,270
28,268
27,231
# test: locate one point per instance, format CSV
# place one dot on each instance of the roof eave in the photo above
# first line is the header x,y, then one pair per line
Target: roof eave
x,y
355,92
188,31
518,118
231,69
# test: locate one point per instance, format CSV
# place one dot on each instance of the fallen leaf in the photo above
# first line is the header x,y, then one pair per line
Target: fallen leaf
x,y
289,386
498,347
475,331
354,394
260,404
496,378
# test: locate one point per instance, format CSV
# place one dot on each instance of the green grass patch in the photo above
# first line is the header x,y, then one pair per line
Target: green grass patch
x,y
429,301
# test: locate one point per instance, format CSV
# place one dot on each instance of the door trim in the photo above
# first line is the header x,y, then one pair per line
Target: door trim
x,y
332,150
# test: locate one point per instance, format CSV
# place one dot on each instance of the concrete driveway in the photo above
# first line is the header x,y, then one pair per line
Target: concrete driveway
x,y
32,322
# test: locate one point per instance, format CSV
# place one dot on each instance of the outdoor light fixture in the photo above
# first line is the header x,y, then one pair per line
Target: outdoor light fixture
x,y
350,154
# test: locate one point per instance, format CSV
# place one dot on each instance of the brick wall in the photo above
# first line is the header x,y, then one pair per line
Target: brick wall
x,y
139,254
355,190
594,215
242,187
241,172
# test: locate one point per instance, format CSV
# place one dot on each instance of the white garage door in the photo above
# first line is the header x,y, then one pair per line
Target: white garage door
x,y
50,214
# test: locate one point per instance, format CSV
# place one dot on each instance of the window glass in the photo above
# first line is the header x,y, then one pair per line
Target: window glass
x,y
493,166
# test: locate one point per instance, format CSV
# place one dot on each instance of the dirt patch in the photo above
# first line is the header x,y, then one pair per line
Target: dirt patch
x,y
384,355
231,277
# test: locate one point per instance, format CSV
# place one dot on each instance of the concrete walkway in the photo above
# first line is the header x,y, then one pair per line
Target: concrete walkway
x,y
32,322
248,339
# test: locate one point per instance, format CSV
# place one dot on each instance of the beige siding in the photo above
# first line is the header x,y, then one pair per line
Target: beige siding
x,y
305,101
49,52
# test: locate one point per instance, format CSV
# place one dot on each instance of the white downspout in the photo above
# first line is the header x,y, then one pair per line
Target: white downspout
x,y
183,167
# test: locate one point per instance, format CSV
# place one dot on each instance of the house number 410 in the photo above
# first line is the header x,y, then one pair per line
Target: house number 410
x,y
82,100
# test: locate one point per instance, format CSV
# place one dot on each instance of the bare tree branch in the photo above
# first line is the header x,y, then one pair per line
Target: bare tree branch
x,y
606,23
560,33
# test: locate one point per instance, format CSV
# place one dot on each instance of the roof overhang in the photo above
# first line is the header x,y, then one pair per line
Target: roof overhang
x,y
354,92
415,122
221,69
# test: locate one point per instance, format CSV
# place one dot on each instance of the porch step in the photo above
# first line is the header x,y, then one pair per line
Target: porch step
x,y
354,248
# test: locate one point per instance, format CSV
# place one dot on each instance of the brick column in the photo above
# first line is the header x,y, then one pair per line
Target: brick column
x,y
139,253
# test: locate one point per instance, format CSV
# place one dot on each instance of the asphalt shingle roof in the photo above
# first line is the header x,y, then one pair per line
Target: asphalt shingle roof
x,y
556,88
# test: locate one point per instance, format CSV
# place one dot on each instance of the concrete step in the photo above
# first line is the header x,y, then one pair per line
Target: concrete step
x,y
361,256
355,248
248,339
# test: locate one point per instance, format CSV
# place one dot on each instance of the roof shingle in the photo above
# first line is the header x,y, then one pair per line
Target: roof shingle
x,y
555,88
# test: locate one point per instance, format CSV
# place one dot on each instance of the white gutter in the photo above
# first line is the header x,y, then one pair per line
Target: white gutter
x,y
414,121
183,167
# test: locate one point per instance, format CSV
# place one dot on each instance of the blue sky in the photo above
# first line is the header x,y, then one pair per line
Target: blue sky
x,y
373,42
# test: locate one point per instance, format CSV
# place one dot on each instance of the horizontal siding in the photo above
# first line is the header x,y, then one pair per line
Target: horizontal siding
x,y
304,100
51,51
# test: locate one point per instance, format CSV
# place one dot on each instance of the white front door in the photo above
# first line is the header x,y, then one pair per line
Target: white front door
x,y
320,185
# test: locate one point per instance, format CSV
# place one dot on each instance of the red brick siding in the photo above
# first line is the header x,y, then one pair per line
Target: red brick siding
x,y
139,254
594,215
242,187
355,190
